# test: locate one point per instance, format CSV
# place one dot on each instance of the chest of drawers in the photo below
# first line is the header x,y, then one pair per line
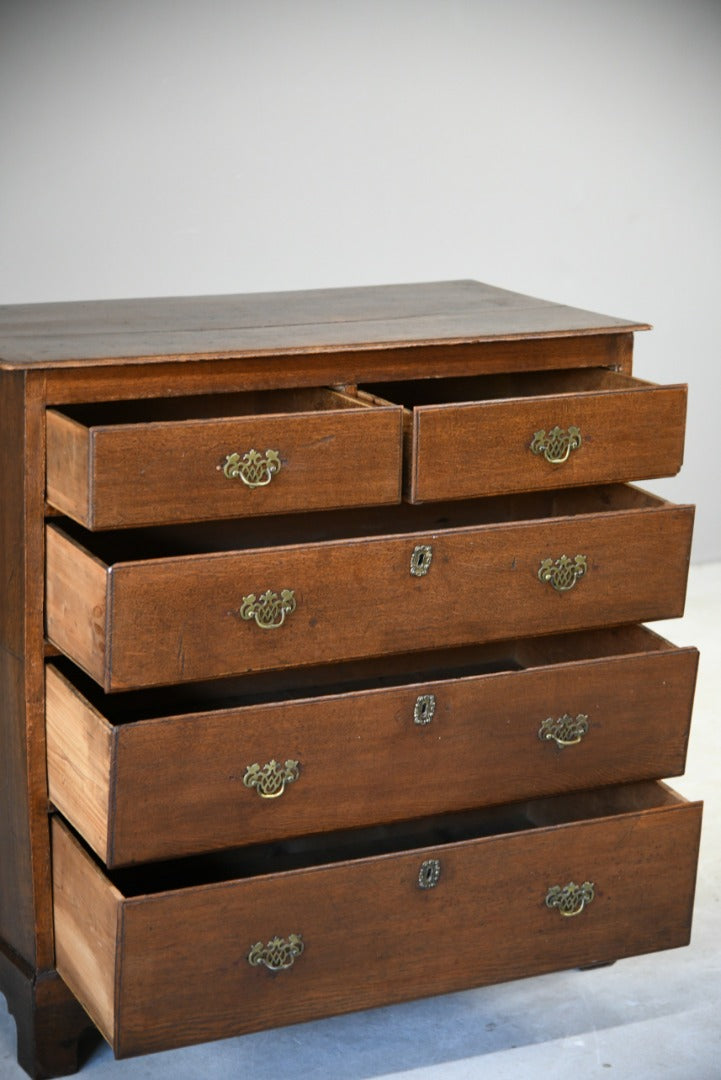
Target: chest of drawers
x,y
323,679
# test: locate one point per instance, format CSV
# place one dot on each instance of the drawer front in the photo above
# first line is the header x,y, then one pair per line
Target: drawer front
x,y
623,429
341,453
259,773
163,970
198,617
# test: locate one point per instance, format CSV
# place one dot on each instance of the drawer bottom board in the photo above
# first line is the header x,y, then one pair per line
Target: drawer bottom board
x,y
173,954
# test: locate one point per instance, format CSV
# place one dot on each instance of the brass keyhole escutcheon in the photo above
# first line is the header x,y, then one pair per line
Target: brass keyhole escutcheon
x,y
424,709
429,874
421,560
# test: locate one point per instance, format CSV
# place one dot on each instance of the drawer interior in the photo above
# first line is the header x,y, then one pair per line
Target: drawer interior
x,y
194,539
299,853
207,406
326,680
497,387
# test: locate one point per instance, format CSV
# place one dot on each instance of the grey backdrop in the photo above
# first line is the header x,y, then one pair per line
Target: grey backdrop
x,y
565,148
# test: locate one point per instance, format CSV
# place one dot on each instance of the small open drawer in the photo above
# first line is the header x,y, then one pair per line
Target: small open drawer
x,y
115,464
174,953
491,434
399,737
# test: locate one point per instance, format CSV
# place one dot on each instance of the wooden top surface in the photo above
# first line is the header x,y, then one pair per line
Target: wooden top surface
x,y
322,320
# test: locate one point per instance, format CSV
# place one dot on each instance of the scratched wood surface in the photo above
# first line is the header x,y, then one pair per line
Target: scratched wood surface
x,y
104,331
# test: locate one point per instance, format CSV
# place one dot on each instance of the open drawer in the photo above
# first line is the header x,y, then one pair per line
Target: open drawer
x,y
115,464
137,608
319,749
218,945
491,434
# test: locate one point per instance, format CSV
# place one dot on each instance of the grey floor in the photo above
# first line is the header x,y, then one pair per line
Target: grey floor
x,y
652,1016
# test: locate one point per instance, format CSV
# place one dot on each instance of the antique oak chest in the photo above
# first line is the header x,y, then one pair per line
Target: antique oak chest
x,y
323,680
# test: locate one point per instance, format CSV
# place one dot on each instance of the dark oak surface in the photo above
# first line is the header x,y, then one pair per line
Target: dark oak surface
x,y
25,901
48,1019
103,331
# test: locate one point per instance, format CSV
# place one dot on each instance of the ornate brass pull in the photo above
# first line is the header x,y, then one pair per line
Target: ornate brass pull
x,y
570,899
252,468
557,444
278,954
270,780
564,730
268,610
563,573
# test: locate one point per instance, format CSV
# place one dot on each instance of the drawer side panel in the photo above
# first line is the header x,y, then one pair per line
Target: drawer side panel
x,y
68,469
76,603
87,914
80,757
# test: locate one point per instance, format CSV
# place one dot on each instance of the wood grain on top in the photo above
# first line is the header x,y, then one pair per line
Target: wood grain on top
x,y
323,320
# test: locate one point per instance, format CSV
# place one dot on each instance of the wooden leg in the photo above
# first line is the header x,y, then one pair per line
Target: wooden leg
x,y
600,964
48,1019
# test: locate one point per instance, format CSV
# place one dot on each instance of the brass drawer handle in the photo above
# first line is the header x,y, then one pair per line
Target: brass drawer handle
x,y
270,780
278,954
252,468
564,730
570,899
268,610
556,445
563,573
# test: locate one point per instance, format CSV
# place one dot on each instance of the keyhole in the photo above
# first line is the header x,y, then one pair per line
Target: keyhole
x,y
424,709
421,560
429,874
